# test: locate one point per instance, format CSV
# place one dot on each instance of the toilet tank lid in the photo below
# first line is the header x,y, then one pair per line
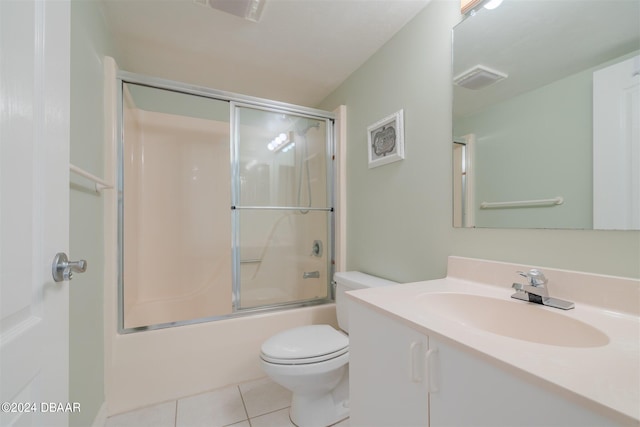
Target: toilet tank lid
x,y
358,280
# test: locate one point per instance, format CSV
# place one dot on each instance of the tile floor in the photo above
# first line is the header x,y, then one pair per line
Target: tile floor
x,y
260,403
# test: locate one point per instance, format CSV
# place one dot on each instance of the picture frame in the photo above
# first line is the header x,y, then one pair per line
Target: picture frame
x,y
386,140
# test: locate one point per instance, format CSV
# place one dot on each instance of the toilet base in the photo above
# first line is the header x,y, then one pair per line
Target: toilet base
x,y
321,410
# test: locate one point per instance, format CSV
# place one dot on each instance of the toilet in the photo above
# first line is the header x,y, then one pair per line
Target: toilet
x,y
312,361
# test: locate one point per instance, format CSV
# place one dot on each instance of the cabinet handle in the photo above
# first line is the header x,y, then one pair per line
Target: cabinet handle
x,y
431,369
415,356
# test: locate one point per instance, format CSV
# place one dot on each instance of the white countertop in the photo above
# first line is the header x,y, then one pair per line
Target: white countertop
x,y
605,377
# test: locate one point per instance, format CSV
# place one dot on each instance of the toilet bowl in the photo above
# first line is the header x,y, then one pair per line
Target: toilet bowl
x,y
312,361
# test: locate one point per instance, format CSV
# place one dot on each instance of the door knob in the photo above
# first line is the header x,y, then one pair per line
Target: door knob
x,y
63,269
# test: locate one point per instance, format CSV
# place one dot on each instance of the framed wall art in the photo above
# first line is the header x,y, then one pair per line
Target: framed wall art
x,y
386,140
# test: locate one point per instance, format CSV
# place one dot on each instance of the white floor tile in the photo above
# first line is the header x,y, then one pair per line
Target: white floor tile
x,y
264,396
216,408
274,419
161,415
241,424
343,423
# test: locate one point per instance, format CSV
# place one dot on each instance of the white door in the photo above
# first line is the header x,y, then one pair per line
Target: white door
x,y
616,146
34,211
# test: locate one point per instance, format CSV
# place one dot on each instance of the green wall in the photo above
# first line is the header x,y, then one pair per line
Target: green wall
x,y
89,44
535,146
399,215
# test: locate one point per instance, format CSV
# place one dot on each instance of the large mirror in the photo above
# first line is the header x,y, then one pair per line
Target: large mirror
x,y
546,111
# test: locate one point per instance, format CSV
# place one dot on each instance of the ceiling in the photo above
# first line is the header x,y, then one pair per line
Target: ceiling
x,y
299,51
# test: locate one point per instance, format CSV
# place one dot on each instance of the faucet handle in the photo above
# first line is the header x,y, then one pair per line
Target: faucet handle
x,y
535,277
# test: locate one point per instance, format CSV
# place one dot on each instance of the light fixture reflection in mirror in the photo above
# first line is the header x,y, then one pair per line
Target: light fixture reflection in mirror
x,y
492,4
534,131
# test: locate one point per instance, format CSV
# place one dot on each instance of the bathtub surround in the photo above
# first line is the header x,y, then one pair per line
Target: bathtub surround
x,y
184,255
155,366
175,273
417,60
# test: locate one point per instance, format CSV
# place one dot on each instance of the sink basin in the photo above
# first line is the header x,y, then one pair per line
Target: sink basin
x,y
513,319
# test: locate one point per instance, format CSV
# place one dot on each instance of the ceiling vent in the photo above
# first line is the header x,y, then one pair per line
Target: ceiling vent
x,y
250,10
479,77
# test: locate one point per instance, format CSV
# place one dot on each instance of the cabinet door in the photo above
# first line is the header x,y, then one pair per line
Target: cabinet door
x,y
387,372
474,392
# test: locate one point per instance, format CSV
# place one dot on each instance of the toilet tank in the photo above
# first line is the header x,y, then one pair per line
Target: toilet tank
x,y
350,281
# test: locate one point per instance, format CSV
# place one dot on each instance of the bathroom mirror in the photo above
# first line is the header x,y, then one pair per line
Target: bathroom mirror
x,y
529,146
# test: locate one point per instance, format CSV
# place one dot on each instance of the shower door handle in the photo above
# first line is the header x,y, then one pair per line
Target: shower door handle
x,y
311,275
62,268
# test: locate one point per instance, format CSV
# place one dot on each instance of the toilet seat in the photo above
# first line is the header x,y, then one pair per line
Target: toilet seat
x,y
304,345
304,361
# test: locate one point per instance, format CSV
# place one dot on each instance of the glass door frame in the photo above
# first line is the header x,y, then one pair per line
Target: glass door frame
x,y
235,100
235,106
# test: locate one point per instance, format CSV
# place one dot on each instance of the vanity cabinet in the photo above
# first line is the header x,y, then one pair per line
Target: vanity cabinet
x,y
400,377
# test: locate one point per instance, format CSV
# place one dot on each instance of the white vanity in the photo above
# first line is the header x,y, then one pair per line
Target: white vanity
x,y
460,351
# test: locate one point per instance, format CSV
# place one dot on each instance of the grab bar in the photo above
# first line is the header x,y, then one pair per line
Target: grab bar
x,y
250,261
281,208
99,183
522,203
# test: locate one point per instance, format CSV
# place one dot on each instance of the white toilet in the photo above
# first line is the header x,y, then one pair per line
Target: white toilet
x,y
311,361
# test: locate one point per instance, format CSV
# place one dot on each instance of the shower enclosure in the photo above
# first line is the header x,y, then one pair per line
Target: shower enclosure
x,y
225,204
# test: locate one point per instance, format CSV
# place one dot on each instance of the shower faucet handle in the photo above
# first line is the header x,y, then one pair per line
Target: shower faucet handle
x,y
316,249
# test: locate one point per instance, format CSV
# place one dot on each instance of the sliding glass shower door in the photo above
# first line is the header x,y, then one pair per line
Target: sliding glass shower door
x,y
175,253
225,205
282,208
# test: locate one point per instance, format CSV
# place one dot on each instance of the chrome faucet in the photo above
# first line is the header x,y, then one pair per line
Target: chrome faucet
x,y
536,291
